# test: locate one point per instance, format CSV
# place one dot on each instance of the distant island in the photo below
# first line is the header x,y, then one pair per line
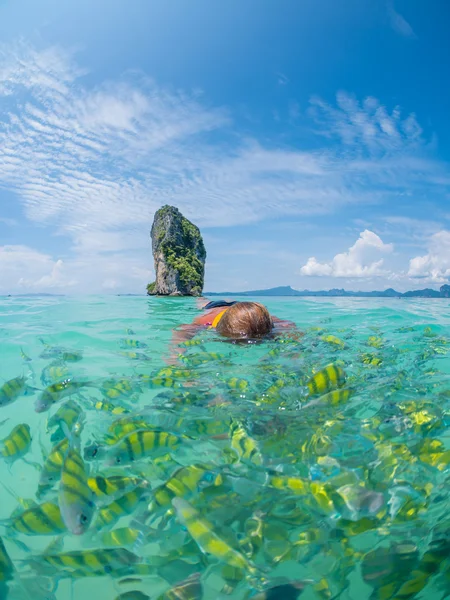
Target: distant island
x,y
443,292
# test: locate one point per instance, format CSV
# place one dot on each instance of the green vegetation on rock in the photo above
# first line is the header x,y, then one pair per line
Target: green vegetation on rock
x,y
179,243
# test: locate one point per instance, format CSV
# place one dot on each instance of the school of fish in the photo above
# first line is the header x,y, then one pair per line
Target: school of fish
x,y
311,470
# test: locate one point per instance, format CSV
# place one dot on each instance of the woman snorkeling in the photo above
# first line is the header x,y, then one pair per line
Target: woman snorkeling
x,y
236,320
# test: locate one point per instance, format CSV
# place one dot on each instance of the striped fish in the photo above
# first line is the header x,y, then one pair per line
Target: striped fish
x,y
17,443
6,565
207,540
75,495
54,372
41,519
189,589
244,445
91,562
333,398
182,483
325,380
122,537
69,414
124,505
12,389
106,487
140,444
52,467
57,391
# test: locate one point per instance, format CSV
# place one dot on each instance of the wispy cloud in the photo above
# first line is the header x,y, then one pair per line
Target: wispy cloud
x,y
94,163
368,125
282,79
399,23
361,260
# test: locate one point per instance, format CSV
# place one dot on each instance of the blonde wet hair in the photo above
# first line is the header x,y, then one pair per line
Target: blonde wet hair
x,y
245,320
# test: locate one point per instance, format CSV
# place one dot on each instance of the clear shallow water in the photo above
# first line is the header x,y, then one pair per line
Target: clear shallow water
x,y
348,491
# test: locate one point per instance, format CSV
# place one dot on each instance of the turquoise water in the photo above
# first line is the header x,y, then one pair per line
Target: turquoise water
x,y
346,490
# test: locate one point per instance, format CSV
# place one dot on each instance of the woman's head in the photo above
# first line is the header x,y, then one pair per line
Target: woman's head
x,y
245,320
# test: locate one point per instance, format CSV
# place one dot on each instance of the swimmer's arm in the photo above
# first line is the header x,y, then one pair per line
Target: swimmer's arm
x,y
185,333
288,328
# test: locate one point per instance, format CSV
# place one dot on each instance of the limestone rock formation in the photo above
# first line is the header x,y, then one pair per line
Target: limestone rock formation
x,y
179,255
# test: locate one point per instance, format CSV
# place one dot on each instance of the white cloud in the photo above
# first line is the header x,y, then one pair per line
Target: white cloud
x,y
367,125
95,163
434,266
359,261
26,270
399,23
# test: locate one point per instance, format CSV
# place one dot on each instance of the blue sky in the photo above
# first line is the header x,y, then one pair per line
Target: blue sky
x,y
309,140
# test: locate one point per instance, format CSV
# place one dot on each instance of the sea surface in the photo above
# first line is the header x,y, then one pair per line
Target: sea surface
x,y
313,464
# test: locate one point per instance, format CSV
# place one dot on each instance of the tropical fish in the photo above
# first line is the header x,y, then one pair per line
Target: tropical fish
x,y
115,389
12,389
130,343
54,372
317,491
91,562
69,414
57,391
325,380
17,443
51,469
189,589
75,496
24,356
333,398
333,340
184,482
202,358
174,373
124,505
104,406
375,342
155,382
207,540
6,571
244,445
190,343
50,351
140,444
106,487
371,359
6,565
122,537
40,519
240,385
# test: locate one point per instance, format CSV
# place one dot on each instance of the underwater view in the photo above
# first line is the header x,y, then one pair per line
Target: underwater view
x,y
313,465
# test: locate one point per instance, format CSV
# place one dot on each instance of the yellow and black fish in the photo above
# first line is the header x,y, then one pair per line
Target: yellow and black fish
x,y
57,391
108,487
140,444
115,510
41,519
13,389
69,414
325,380
189,589
17,443
207,539
244,445
75,495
